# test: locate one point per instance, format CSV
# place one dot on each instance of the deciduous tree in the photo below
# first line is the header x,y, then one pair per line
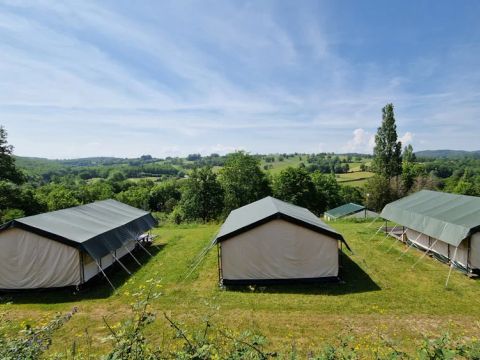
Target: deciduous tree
x,y
8,171
242,180
202,197
295,185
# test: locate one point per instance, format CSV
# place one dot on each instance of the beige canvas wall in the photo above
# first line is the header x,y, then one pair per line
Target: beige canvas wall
x,y
475,251
31,261
279,250
440,247
90,267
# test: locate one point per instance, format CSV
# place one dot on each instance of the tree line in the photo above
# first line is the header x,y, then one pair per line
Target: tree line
x,y
214,185
399,173
203,195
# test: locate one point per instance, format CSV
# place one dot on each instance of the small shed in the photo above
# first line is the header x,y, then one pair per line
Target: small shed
x,y
70,246
271,241
447,225
349,210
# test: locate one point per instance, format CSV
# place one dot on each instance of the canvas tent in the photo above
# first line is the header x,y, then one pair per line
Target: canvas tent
x,y
272,241
349,210
68,247
447,225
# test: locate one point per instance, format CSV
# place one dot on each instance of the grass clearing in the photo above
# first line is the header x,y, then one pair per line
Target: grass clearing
x,y
381,295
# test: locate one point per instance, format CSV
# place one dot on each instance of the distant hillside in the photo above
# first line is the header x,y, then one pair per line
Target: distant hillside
x,y
449,154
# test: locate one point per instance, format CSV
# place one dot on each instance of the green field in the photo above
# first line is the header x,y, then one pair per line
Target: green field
x,y
357,178
382,296
278,166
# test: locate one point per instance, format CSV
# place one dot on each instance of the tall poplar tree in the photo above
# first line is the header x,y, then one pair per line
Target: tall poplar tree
x,y
387,154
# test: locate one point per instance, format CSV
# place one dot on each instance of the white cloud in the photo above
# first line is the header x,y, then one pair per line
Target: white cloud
x,y
185,76
407,138
362,141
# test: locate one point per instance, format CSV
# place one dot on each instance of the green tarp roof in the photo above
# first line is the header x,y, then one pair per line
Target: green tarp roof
x,y
97,228
344,210
447,217
269,208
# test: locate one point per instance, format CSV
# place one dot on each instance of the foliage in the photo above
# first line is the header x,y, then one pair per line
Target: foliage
x,y
351,194
327,164
32,341
295,185
378,193
242,180
97,190
202,196
410,171
387,160
137,196
164,196
57,196
128,339
11,214
327,192
408,154
8,170
467,186
19,197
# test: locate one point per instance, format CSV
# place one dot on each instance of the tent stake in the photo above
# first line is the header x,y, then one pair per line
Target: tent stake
x,y
451,266
425,254
105,275
123,266
133,256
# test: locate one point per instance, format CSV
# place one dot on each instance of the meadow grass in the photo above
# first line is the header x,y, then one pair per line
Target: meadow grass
x,y
381,296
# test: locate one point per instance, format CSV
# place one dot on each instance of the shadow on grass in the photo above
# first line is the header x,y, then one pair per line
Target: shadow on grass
x,y
353,280
96,288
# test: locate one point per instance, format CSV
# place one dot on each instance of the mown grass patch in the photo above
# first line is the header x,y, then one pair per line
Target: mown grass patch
x,y
382,295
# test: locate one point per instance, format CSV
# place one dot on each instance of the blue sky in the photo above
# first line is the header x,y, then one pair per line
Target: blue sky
x,y
126,78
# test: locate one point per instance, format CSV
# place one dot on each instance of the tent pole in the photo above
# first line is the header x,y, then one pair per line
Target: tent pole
x,y
411,244
375,219
469,244
378,230
133,256
123,266
425,254
219,264
403,233
148,252
388,234
105,275
451,265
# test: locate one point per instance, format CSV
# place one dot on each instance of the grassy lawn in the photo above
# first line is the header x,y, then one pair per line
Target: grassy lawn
x,y
381,296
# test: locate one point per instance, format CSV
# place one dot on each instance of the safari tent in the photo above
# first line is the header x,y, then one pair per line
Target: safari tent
x,y
68,247
271,241
446,225
350,210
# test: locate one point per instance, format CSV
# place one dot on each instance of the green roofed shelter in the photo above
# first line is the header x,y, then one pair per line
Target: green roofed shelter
x,y
270,240
349,210
70,246
446,224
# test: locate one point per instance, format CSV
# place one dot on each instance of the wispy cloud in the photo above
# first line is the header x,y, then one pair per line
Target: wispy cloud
x,y
181,77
